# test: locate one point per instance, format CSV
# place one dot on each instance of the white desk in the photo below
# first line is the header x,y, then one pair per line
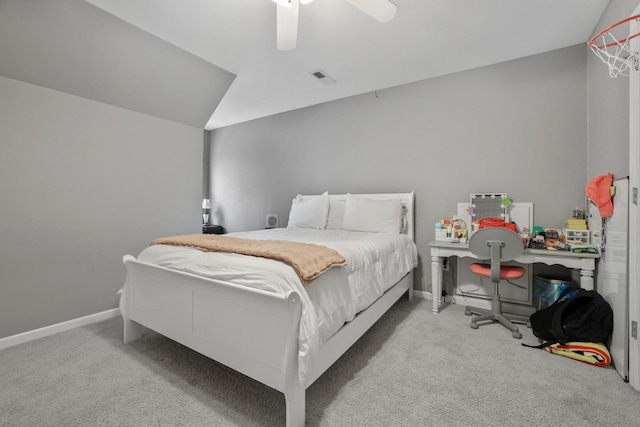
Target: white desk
x,y
584,263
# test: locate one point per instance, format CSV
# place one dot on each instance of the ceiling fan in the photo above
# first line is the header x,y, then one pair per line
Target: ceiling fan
x,y
287,17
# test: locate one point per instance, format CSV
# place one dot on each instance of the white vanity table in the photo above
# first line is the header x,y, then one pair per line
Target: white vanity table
x,y
581,264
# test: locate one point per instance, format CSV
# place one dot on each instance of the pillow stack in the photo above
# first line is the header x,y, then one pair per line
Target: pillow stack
x,y
309,211
356,213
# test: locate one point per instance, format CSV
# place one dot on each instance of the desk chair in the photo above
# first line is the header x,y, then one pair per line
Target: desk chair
x,y
497,245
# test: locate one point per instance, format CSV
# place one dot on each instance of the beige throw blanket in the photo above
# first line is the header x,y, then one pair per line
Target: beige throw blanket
x,y
308,260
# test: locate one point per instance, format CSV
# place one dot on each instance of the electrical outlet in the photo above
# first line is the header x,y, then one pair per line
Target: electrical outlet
x,y
445,264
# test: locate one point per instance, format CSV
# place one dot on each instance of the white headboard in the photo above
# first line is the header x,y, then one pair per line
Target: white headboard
x,y
407,200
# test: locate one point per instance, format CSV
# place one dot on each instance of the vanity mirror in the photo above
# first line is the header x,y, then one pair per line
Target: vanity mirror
x,y
483,205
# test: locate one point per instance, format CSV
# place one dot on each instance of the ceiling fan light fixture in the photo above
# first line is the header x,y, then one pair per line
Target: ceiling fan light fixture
x,y
285,3
287,26
287,17
380,10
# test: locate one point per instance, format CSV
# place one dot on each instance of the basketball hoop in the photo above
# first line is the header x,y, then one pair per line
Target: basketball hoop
x,y
614,52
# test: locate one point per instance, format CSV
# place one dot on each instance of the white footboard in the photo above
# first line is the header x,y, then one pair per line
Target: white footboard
x,y
252,331
249,330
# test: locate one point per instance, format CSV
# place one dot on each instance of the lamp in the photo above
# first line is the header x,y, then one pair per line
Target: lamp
x,y
206,208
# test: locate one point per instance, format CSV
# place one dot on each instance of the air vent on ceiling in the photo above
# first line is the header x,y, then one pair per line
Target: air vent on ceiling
x,y
323,77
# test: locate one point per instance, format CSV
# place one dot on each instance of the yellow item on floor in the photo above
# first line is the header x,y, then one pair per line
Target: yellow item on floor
x,y
587,352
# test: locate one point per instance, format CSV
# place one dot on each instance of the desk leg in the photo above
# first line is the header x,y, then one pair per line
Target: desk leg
x,y
436,282
586,280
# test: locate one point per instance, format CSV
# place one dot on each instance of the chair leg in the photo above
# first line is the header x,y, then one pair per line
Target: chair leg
x,y
469,310
517,318
496,315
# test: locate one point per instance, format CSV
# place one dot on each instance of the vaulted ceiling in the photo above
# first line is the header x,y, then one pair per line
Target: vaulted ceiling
x,y
427,38
73,47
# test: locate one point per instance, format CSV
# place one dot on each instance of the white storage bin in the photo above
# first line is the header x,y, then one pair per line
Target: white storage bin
x,y
581,237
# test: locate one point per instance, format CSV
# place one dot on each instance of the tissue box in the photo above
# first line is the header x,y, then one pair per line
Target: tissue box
x,y
441,234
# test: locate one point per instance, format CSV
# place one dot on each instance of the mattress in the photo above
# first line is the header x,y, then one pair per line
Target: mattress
x,y
375,262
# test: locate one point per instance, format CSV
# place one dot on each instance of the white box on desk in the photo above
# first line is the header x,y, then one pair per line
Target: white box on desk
x,y
573,236
441,235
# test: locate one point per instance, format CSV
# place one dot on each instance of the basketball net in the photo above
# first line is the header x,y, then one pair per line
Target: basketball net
x,y
616,53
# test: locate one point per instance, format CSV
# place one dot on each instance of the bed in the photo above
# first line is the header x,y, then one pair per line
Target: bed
x,y
257,315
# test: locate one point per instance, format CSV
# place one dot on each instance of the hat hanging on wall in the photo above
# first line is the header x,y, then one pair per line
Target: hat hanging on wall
x,y
600,192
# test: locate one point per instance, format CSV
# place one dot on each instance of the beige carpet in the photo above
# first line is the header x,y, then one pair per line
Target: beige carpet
x,y
411,369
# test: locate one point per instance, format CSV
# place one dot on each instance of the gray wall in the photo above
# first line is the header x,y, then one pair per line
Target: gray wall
x,y
83,183
518,127
609,105
77,48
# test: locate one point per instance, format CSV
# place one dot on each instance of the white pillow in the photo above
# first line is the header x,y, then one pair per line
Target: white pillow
x,y
309,211
381,216
336,214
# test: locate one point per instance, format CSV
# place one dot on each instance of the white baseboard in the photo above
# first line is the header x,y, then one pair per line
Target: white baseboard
x,y
484,303
93,318
58,327
423,294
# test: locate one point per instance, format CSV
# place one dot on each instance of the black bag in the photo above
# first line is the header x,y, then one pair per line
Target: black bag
x,y
583,317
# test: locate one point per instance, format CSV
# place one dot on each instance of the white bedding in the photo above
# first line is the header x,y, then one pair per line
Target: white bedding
x,y
375,262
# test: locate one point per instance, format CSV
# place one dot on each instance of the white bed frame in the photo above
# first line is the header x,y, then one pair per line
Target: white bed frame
x,y
249,330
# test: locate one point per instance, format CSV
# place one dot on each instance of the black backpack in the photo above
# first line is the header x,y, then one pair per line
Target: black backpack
x,y
583,317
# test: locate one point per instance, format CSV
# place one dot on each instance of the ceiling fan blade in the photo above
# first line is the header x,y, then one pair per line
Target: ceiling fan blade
x,y
287,25
380,10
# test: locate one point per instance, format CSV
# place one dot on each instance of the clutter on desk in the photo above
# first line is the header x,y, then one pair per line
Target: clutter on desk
x,y
568,240
496,207
575,237
578,214
576,224
552,238
458,229
576,233
451,230
555,240
484,209
443,232
492,222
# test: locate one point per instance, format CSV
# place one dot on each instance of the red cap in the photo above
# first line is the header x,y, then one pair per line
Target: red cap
x,y
599,192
